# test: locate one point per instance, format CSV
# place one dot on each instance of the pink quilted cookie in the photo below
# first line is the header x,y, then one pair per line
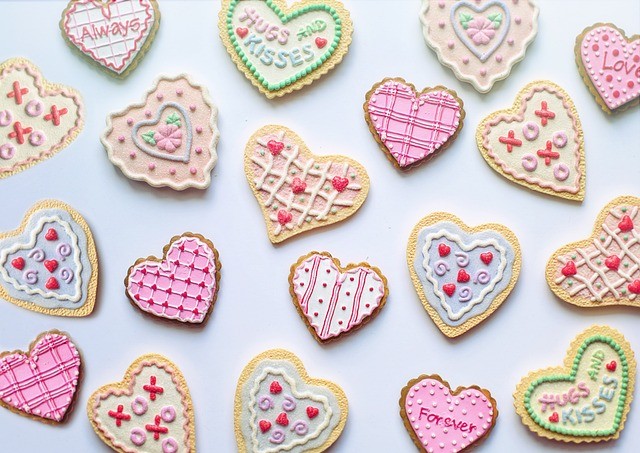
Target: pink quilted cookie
x,y
412,127
42,383
183,286
609,63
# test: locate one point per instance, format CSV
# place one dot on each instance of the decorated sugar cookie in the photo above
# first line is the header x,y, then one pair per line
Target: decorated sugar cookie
x,y
297,190
37,118
281,48
149,411
182,286
462,274
41,384
538,142
334,300
412,127
588,398
113,34
49,263
604,269
169,139
479,40
279,408
609,64
440,419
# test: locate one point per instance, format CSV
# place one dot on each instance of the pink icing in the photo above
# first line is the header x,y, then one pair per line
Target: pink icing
x,y
168,137
444,422
44,382
613,65
181,287
413,128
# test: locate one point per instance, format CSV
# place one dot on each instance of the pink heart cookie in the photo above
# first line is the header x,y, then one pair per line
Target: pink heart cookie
x,y
42,383
183,286
411,128
609,63
333,300
439,419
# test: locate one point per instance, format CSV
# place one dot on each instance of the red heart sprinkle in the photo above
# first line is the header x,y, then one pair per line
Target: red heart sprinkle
x,y
339,183
449,288
18,263
275,147
265,425
625,224
52,283
321,42
275,387
634,287
312,412
51,235
51,265
486,257
569,269
611,366
554,418
282,419
242,32
463,277
298,185
613,262
284,217
444,249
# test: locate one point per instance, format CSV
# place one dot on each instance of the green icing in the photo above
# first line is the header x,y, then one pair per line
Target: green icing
x,y
465,19
148,137
174,119
496,18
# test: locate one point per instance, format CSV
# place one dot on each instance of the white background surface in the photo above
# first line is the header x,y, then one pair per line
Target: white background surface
x,y
254,311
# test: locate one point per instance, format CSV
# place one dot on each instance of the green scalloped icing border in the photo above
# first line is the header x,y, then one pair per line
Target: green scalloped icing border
x,y
571,377
286,18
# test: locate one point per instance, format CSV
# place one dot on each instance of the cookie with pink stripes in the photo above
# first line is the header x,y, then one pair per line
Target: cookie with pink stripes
x,y
182,286
41,384
334,300
411,127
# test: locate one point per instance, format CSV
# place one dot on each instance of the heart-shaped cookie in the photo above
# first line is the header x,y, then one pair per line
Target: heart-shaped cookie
x,y
114,34
537,143
182,286
441,419
41,383
149,411
298,191
609,64
587,399
462,274
604,269
334,300
279,408
169,139
412,127
49,263
282,48
37,118
481,40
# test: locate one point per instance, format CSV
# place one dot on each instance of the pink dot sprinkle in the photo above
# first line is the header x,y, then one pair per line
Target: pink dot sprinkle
x,y
605,38
179,92
636,58
441,24
199,129
193,170
616,52
510,41
129,121
147,113
450,44
172,171
198,150
609,78
616,94
152,166
465,60
121,138
159,96
517,20
630,84
132,154
192,108
483,72
441,4
499,58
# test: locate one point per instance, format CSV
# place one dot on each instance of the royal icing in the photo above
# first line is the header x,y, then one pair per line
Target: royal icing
x,y
413,127
37,118
114,34
334,301
297,190
42,383
479,40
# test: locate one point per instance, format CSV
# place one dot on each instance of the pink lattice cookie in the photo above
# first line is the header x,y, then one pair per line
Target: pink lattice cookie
x,y
412,127
298,191
114,34
169,139
42,383
182,286
604,269
609,64
37,118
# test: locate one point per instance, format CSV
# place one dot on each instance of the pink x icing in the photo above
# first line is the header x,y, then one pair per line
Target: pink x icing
x,y
444,422
412,128
181,287
44,382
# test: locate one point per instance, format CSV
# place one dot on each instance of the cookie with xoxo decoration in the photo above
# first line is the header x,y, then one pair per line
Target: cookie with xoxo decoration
x,y
49,263
279,408
281,48
462,274
588,398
